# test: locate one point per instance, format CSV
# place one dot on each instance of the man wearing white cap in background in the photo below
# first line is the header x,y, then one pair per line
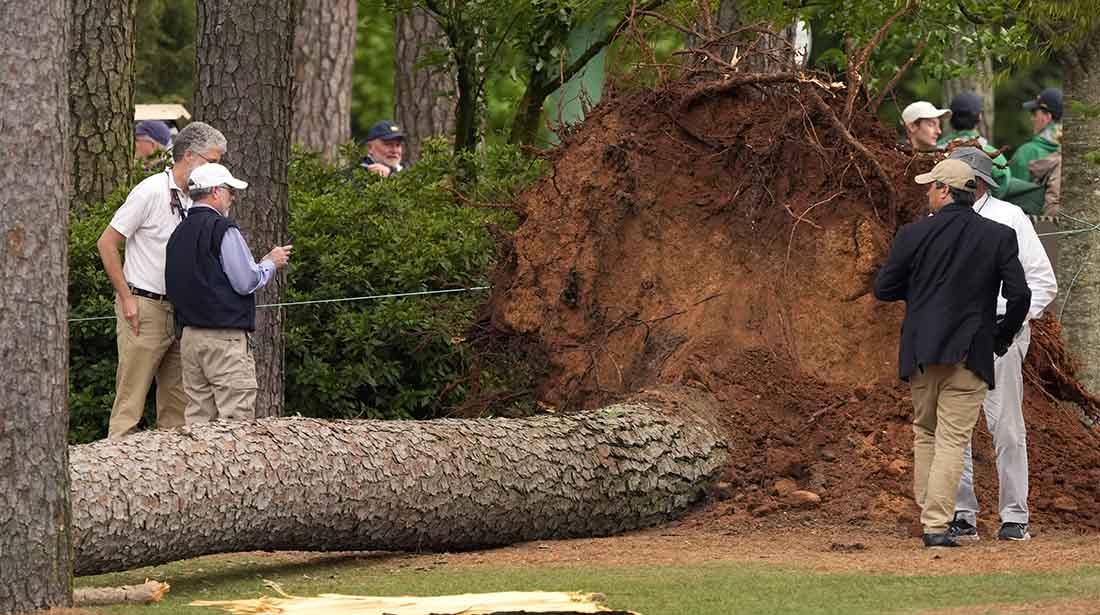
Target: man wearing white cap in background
x,y
212,279
922,125
1004,404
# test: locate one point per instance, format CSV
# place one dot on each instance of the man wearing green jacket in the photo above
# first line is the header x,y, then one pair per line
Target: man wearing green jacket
x,y
1046,115
966,114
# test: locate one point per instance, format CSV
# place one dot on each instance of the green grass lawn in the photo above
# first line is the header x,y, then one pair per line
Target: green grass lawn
x,y
717,588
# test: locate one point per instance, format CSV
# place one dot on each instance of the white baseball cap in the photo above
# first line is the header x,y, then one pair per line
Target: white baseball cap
x,y
921,110
213,174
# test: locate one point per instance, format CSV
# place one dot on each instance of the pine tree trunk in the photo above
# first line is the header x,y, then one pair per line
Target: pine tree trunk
x,y
980,82
306,484
468,105
324,52
35,551
424,103
724,18
243,88
101,97
1078,263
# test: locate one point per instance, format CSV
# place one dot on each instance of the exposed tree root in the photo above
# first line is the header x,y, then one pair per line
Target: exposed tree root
x,y
838,126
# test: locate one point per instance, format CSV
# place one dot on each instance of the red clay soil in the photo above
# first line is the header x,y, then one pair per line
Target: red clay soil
x,y
731,246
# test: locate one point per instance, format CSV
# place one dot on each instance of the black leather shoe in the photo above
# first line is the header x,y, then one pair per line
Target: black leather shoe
x,y
960,529
937,541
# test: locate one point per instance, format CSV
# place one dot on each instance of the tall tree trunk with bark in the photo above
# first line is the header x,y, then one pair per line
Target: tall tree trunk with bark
x,y
771,52
101,97
423,104
468,103
1079,255
35,551
980,82
324,52
724,18
243,68
305,484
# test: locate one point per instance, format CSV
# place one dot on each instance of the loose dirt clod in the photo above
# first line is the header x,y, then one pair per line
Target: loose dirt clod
x,y
730,245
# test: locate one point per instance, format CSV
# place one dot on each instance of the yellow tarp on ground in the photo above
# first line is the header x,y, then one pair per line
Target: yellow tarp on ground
x,y
466,604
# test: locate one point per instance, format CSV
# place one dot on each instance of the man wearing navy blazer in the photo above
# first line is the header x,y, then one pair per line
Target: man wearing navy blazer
x,y
949,268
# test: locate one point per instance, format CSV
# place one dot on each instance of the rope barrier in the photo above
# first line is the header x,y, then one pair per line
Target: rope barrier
x,y
1091,227
339,300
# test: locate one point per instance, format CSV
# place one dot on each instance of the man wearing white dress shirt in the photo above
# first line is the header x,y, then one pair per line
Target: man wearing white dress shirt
x,y
1004,404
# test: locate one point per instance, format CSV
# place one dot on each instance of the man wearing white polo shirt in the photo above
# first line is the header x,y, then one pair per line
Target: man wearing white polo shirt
x,y
922,125
144,326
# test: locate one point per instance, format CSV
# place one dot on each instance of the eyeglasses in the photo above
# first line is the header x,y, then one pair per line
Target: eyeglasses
x,y
230,189
205,158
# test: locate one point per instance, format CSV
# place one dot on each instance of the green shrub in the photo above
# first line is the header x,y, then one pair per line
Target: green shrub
x,y
354,235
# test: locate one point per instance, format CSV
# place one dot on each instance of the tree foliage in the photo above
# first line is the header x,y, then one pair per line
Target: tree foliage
x,y
372,76
164,62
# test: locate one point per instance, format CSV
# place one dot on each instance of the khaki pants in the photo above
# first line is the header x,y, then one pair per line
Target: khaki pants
x,y
219,375
946,401
153,354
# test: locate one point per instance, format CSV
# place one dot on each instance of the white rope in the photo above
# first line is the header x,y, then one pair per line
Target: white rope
x,y
340,300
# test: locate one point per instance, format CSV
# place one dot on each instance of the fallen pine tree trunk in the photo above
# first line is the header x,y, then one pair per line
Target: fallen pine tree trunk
x,y
312,485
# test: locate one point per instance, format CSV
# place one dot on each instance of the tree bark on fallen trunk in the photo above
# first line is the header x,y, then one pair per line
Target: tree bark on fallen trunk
x,y
311,485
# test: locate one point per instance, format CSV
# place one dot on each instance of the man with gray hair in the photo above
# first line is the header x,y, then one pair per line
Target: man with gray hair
x,y
1004,404
144,326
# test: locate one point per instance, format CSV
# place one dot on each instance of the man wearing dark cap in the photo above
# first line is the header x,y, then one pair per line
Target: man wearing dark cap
x,y
966,115
1046,119
948,268
151,136
385,147
1004,404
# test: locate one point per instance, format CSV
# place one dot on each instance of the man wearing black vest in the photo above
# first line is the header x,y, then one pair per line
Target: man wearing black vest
x,y
948,269
212,279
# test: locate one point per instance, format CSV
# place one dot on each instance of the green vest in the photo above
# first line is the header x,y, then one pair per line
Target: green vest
x,y
1040,146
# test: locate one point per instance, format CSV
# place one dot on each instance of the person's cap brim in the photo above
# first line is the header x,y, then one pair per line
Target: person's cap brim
x,y
1031,105
925,178
988,179
939,114
236,183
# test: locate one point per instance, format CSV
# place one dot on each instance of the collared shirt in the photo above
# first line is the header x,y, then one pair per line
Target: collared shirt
x,y
246,276
146,219
366,161
1033,257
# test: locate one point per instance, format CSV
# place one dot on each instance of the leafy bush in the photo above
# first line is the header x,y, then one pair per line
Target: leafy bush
x,y
355,234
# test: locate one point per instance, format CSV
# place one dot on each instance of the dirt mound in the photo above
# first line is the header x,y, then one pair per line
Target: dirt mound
x,y
730,244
